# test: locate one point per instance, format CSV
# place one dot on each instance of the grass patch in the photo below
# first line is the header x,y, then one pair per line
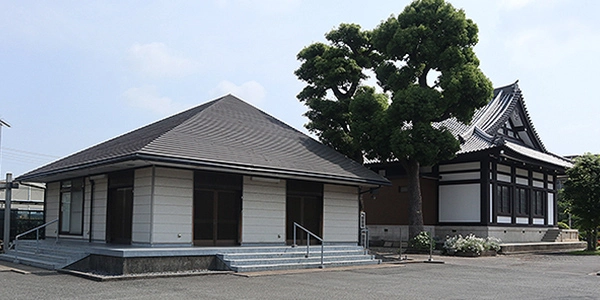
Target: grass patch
x,y
586,252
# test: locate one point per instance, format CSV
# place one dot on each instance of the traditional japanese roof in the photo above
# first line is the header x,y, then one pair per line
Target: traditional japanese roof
x,y
503,123
226,134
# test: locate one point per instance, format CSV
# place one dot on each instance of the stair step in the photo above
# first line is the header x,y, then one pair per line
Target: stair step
x,y
38,256
43,264
293,254
296,260
290,266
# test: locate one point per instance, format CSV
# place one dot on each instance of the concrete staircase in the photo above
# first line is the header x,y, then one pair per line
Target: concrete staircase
x,y
285,258
551,235
48,255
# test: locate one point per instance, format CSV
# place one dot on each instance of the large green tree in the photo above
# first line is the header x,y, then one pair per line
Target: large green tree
x,y
433,74
582,191
424,60
334,73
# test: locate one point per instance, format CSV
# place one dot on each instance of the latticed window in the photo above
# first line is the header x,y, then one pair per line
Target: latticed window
x,y
503,199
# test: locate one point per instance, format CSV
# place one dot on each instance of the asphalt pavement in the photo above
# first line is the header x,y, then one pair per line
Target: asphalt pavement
x,y
530,276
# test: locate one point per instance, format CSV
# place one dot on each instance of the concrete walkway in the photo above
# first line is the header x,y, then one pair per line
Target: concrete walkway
x,y
528,276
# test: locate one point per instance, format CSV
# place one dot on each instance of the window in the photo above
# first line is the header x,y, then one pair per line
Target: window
x,y
71,207
522,204
538,203
503,199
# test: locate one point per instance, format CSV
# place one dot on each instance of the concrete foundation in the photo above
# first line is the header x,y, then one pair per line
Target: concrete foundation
x,y
380,234
109,265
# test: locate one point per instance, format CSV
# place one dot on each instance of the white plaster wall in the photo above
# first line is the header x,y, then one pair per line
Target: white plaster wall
x,y
340,213
142,207
172,206
538,221
504,219
550,207
523,181
521,220
52,207
460,203
263,211
503,178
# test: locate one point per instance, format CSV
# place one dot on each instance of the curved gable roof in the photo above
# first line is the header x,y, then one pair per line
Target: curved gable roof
x,y
483,133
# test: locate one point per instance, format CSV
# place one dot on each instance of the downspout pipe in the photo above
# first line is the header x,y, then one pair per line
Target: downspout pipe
x,y
92,185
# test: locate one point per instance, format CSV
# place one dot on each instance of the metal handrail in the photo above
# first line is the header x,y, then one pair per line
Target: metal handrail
x,y
309,234
37,236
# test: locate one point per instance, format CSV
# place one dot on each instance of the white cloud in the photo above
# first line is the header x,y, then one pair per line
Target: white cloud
x,y
147,97
250,91
157,60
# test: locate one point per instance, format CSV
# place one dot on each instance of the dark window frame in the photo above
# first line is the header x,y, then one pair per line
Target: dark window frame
x,y
71,188
538,203
504,199
522,201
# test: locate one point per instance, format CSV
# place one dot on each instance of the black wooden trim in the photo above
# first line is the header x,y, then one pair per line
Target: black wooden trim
x,y
485,191
460,171
456,182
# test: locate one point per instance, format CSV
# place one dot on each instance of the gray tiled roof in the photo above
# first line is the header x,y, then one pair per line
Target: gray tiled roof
x,y
225,133
482,132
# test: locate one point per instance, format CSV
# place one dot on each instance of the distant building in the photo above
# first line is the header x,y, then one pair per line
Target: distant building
x,y
502,183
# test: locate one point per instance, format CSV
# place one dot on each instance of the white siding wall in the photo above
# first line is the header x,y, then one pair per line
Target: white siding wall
x,y
340,213
172,206
460,203
263,211
99,219
142,207
52,207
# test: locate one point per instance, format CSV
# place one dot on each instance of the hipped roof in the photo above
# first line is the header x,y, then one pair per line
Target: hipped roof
x,y
226,134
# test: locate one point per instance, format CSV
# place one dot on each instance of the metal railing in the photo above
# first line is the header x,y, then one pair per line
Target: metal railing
x,y
308,235
37,236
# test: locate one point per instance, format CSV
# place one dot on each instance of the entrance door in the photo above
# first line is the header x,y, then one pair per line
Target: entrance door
x,y
120,212
216,217
304,205
306,211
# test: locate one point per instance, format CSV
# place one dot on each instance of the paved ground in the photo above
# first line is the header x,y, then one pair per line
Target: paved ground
x,y
502,277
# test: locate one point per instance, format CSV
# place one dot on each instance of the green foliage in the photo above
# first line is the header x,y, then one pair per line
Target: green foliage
x,y
563,225
333,73
429,37
582,190
470,244
424,59
421,241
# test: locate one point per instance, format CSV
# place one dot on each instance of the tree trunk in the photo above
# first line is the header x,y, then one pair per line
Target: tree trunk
x,y
415,202
592,240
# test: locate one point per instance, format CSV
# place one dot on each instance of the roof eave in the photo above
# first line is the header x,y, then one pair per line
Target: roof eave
x,y
206,165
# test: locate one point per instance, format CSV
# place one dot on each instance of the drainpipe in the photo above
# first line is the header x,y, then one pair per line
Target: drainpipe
x,y
93,184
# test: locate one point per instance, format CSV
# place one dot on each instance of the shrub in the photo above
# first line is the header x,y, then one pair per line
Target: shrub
x,y
421,242
470,244
563,225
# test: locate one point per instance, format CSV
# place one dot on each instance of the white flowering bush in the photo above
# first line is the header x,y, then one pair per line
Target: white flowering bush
x,y
470,244
421,242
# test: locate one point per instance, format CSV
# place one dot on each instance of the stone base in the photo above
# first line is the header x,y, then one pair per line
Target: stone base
x,y
109,265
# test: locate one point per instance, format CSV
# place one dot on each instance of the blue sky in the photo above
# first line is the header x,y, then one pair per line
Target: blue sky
x,y
76,73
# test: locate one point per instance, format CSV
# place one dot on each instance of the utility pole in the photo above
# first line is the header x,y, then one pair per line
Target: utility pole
x,y
2,123
8,185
